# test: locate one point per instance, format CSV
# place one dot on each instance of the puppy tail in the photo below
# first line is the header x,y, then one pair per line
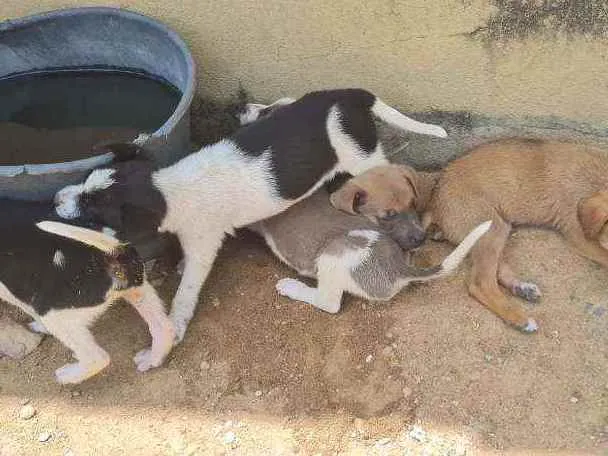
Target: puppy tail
x,y
453,260
393,117
101,241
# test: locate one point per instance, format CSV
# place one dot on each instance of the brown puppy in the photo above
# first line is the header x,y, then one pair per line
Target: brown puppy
x,y
593,215
551,184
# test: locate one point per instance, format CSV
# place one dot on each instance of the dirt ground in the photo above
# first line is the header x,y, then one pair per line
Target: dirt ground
x,y
430,373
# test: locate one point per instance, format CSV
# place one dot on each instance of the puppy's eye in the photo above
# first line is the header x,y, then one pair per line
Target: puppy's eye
x,y
359,200
390,214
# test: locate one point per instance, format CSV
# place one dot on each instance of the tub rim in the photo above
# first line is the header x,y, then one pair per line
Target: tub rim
x,y
164,130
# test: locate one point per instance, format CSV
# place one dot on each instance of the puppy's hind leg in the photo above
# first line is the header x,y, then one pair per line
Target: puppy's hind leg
x,y
483,284
149,305
70,327
199,255
525,290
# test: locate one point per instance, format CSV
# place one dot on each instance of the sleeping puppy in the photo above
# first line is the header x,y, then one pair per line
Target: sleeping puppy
x,y
65,276
367,257
552,184
350,253
258,172
593,215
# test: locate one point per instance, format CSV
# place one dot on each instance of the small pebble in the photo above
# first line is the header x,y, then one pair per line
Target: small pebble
x,y
216,301
230,438
205,365
361,429
389,335
387,351
459,449
258,393
44,437
574,399
27,412
25,401
407,392
417,434
488,357
369,359
76,393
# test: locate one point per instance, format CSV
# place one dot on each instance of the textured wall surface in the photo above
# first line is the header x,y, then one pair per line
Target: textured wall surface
x,y
477,55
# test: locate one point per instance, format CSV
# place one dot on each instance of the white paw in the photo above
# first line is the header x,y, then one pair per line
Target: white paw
x,y
145,361
38,327
72,373
531,327
291,288
528,291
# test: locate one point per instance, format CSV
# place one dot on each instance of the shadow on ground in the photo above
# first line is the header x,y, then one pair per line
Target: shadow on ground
x,y
264,375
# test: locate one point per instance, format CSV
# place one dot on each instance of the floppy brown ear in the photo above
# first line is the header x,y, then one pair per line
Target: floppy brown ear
x,y
593,214
410,176
349,198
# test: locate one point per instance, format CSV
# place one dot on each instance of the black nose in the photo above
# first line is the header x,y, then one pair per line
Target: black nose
x,y
417,237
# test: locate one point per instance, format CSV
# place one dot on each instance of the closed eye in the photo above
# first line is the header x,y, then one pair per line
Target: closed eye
x,y
390,214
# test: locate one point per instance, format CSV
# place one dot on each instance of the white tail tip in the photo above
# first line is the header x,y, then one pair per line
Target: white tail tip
x,y
87,236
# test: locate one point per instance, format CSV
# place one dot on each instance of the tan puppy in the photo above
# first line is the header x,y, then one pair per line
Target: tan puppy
x,y
557,185
593,215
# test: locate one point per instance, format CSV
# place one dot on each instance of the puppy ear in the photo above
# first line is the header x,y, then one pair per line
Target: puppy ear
x,y
349,198
410,176
593,214
250,113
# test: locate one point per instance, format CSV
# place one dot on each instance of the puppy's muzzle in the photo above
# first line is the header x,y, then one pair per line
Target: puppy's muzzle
x,y
404,228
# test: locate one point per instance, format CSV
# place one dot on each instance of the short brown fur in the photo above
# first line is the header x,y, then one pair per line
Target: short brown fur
x,y
557,185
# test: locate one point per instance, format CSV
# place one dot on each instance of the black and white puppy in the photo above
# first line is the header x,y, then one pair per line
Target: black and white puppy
x,y
259,171
65,276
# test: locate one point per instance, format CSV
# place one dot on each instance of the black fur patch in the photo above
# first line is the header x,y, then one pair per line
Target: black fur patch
x,y
27,268
126,268
297,136
132,205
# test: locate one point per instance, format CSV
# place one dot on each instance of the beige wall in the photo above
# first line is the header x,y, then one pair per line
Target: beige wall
x,y
415,54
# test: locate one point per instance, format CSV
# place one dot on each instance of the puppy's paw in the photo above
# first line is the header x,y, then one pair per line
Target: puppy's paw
x,y
528,291
291,288
70,373
145,361
78,372
37,327
530,327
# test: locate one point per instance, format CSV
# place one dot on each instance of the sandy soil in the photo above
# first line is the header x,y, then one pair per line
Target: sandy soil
x,y
430,373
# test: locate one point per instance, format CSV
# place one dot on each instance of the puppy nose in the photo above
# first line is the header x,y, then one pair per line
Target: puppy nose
x,y
417,237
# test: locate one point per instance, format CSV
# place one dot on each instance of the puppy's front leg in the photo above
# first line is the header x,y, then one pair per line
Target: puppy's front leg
x,y
199,255
326,298
150,307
